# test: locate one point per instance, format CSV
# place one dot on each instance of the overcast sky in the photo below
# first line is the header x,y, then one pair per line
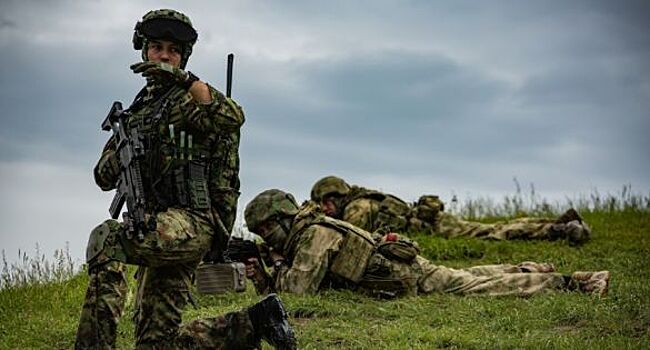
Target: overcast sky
x,y
412,97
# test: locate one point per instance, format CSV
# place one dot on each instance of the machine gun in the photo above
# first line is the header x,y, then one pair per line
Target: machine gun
x,y
130,188
221,277
240,250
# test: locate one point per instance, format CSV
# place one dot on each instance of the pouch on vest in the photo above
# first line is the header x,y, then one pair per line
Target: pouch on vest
x,y
403,250
356,249
221,278
386,278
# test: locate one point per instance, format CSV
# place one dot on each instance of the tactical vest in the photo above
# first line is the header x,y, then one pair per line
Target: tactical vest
x,y
352,259
177,155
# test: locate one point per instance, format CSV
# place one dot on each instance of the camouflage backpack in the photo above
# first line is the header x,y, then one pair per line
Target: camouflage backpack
x,y
428,207
392,214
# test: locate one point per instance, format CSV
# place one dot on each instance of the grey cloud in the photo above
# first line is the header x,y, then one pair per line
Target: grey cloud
x,y
7,23
444,97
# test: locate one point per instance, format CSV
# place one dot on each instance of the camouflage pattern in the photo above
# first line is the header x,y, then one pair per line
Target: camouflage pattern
x,y
386,213
215,129
492,281
167,259
224,181
168,256
313,246
167,13
329,186
448,225
270,204
105,298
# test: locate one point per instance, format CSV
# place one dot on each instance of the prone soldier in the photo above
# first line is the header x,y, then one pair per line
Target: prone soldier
x,y
312,251
375,211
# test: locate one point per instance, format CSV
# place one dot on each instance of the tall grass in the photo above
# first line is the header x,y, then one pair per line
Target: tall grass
x,y
37,269
530,203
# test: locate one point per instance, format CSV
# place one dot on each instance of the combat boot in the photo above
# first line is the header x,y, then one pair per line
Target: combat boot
x,y
596,283
575,232
568,216
269,320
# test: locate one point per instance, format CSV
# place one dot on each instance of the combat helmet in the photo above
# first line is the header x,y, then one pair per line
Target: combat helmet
x,y
270,204
327,186
165,24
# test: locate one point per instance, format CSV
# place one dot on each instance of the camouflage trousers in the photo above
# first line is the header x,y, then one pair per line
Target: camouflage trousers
x,y
167,258
421,276
448,225
485,280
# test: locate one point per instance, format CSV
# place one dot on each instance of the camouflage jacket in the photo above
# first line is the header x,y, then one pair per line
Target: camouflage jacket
x,y
179,128
316,244
309,252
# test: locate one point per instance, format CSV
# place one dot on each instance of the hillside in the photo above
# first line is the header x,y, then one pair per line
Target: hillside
x,y
44,316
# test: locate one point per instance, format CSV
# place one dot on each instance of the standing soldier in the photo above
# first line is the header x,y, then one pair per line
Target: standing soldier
x,y
312,251
375,211
184,171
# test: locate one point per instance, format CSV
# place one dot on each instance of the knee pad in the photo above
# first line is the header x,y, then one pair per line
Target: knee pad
x,y
104,245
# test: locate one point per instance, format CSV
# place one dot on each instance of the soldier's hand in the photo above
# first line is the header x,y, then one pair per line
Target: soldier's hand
x,y
255,272
253,267
108,168
162,72
275,256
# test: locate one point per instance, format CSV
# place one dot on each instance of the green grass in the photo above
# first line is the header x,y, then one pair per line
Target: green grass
x,y
44,315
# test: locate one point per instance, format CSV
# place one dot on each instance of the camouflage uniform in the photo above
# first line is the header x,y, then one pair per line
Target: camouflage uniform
x,y
185,225
315,243
379,212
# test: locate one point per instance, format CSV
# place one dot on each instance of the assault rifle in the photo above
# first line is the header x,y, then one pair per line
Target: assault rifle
x,y
240,250
130,188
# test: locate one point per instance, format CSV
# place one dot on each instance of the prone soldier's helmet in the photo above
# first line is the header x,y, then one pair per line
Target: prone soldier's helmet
x,y
270,204
168,25
328,186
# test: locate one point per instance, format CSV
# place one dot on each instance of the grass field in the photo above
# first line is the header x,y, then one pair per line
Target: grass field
x,y
44,315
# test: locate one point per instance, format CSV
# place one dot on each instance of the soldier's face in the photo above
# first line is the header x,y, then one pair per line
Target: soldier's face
x,y
329,207
164,51
264,228
273,234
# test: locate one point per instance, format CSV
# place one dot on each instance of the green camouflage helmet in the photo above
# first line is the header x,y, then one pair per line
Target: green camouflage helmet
x,y
165,24
327,186
270,204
